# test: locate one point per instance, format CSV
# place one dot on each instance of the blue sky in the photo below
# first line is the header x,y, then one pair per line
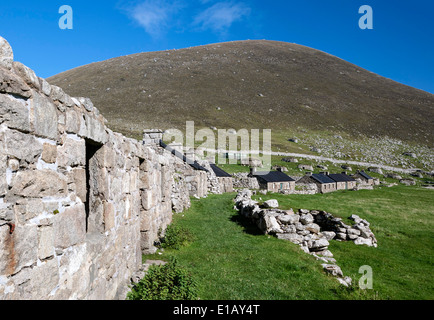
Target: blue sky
x,y
400,46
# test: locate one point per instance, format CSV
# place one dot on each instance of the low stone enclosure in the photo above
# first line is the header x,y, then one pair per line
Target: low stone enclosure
x,y
310,229
79,203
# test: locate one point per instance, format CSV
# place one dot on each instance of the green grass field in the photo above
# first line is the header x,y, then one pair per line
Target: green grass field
x,y
230,260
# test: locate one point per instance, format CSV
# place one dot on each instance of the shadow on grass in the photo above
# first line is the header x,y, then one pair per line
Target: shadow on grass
x,y
249,226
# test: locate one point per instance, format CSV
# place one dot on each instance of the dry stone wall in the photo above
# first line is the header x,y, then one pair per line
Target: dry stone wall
x,y
242,180
310,229
79,203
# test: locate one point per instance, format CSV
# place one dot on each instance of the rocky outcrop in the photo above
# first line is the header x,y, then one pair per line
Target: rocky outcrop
x,y
408,182
310,229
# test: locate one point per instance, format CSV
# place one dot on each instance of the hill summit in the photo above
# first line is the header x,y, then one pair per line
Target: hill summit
x,y
250,84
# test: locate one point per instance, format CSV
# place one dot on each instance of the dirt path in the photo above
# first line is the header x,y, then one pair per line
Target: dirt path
x,y
313,157
357,163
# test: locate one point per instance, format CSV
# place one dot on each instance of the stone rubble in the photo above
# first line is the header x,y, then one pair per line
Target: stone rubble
x,y
310,229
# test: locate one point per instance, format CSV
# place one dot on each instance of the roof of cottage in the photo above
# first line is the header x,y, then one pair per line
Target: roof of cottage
x,y
322,178
365,175
219,172
273,176
340,177
194,164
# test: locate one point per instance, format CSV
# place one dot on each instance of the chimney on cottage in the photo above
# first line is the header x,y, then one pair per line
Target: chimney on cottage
x,y
344,172
309,173
152,136
252,170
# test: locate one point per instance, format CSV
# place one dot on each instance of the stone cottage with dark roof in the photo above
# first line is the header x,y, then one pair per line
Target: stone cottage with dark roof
x,y
343,181
274,181
324,183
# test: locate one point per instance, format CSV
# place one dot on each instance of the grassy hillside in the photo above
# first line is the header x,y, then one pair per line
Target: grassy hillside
x,y
251,84
231,260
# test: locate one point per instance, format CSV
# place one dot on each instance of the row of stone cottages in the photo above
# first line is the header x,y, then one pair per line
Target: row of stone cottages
x,y
278,181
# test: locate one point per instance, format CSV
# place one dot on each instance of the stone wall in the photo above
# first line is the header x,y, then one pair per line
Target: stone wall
x,y
310,229
214,185
196,180
306,188
242,180
79,203
226,184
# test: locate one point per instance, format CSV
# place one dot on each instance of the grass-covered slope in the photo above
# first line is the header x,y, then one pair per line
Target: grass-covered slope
x,y
230,260
250,84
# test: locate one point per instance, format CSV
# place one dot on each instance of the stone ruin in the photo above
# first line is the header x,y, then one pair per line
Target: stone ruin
x,y
310,229
79,203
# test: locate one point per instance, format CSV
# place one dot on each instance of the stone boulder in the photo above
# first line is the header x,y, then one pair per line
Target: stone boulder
x,y
290,159
363,241
319,245
305,167
355,218
293,237
306,219
27,74
269,225
313,227
333,269
375,170
407,182
272,203
13,84
6,54
345,281
329,235
410,154
289,218
393,176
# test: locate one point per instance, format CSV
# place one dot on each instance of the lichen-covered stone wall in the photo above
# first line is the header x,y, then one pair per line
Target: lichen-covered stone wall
x,y
79,203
